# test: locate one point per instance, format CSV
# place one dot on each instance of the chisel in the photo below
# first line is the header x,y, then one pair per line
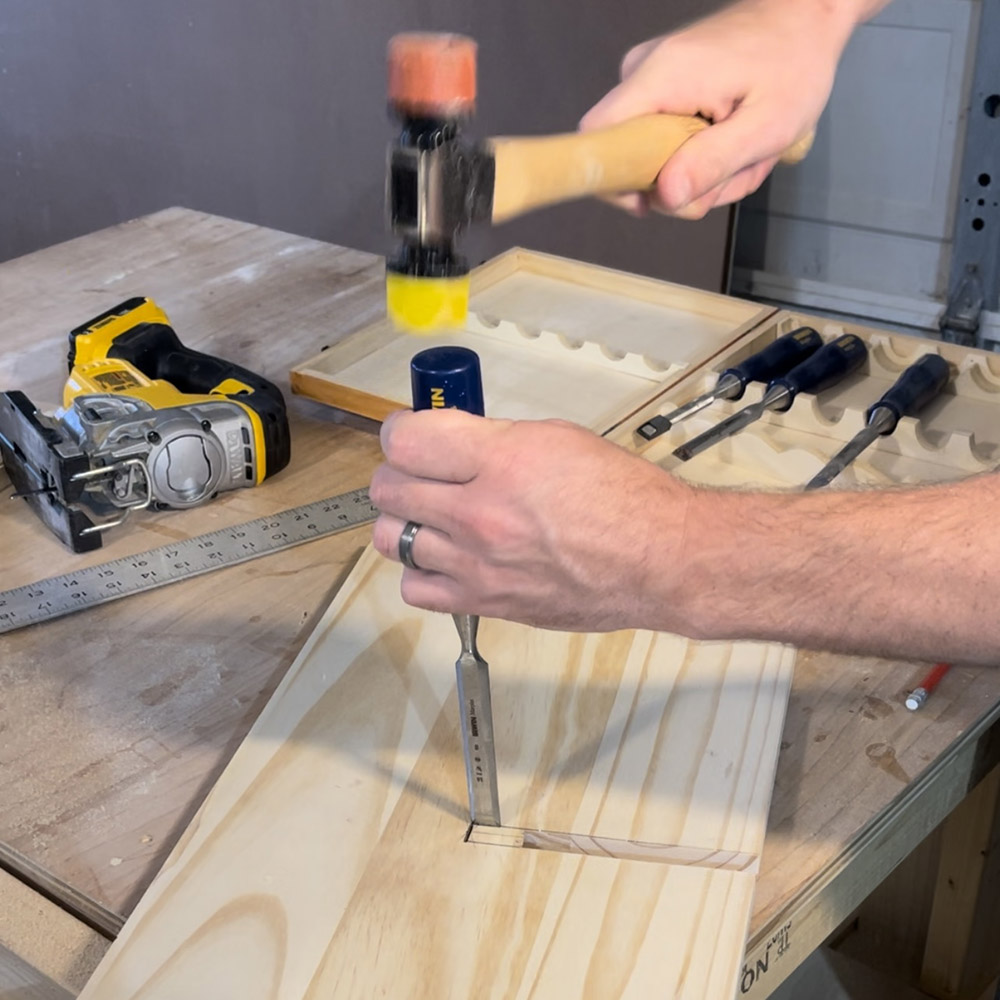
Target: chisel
x,y
779,357
911,392
450,378
831,363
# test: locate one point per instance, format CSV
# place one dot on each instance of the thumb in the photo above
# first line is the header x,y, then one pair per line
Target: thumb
x,y
447,445
715,154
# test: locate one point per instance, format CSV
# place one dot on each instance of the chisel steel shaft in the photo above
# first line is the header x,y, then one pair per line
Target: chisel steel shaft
x,y
779,357
831,363
476,711
910,393
882,423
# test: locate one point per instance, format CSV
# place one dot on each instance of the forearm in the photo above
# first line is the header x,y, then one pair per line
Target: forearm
x,y
909,573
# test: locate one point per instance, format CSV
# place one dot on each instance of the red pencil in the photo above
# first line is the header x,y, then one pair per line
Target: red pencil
x,y
920,694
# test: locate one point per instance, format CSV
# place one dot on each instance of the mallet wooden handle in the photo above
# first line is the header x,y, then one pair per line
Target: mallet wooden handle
x,y
532,172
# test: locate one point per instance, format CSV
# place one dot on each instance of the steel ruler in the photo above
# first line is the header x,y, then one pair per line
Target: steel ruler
x,y
85,588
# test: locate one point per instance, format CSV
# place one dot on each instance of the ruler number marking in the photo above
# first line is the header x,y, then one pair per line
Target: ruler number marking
x,y
47,599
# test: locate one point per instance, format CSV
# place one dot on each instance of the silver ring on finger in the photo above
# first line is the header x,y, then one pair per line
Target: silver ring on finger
x,y
406,544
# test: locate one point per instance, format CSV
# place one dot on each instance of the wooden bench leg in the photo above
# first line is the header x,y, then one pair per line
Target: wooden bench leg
x,y
962,951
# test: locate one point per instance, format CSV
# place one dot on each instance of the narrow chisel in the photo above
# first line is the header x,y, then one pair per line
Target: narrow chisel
x,y
780,356
911,392
443,378
831,363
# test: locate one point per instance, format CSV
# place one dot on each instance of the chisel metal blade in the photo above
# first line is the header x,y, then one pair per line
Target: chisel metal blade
x,y
723,429
476,713
842,459
881,422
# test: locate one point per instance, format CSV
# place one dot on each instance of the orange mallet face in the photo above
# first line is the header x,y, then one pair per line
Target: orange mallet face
x,y
432,74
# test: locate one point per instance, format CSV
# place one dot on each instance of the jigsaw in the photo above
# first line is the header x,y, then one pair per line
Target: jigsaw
x,y
145,422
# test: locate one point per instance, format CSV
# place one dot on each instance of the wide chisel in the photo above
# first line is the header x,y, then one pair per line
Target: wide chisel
x,y
780,356
831,363
911,392
450,378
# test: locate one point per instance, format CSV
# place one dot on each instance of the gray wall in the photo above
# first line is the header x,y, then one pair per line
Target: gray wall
x,y
864,226
273,111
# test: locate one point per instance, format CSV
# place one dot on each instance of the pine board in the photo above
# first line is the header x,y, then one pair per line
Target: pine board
x,y
332,850
557,338
105,765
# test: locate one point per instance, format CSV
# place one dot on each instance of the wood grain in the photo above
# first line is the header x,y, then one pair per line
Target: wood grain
x,y
117,721
107,750
961,955
340,825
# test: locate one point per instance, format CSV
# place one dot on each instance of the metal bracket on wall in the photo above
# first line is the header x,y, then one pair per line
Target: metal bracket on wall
x,y
974,284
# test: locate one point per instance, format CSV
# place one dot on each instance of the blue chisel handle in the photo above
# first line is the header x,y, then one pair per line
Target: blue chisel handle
x,y
447,378
831,363
913,390
779,357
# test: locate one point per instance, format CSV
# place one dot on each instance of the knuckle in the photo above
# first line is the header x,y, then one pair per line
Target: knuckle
x,y
494,528
557,424
628,62
783,135
672,193
636,56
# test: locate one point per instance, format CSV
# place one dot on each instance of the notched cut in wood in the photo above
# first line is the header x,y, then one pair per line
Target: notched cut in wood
x,y
612,847
345,810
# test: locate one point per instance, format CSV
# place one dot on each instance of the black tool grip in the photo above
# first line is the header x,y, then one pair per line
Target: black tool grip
x,y
778,358
914,389
158,353
831,363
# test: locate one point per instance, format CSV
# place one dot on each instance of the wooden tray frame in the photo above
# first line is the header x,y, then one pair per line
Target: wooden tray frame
x,y
958,434
317,378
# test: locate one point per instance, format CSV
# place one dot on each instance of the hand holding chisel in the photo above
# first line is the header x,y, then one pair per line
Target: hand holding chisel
x,y
911,392
444,378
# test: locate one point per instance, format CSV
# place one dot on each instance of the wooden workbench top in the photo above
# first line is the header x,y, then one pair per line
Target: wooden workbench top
x,y
115,722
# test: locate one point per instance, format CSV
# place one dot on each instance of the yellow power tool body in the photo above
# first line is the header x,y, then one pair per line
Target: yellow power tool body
x,y
145,421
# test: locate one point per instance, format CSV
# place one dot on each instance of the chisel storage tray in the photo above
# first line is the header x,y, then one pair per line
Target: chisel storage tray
x,y
957,435
557,338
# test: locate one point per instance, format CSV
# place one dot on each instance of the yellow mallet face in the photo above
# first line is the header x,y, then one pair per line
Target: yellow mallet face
x,y
423,305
